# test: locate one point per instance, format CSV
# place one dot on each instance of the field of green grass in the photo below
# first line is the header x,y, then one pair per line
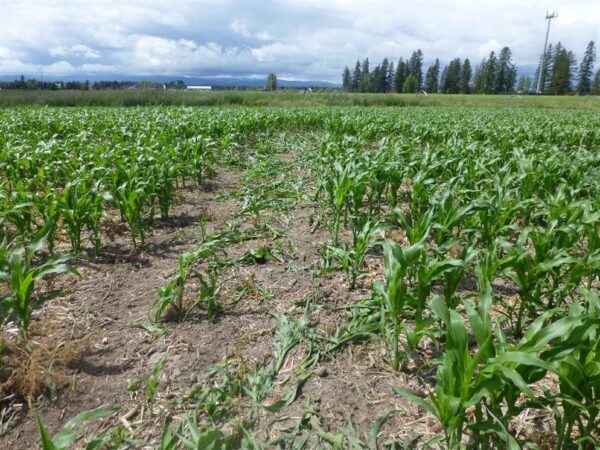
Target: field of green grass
x,y
284,99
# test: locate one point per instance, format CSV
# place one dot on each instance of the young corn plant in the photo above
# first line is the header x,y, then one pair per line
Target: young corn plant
x,y
337,186
19,208
171,296
149,385
537,277
72,431
131,198
479,392
51,213
207,294
575,358
352,259
161,186
20,272
254,203
75,206
394,293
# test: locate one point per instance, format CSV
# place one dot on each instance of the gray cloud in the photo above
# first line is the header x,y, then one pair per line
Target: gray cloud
x,y
306,39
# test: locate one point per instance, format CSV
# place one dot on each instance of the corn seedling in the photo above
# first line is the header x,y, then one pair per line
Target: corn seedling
x,y
72,430
20,272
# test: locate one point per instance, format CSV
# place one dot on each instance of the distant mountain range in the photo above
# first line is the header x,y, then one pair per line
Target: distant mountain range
x,y
225,82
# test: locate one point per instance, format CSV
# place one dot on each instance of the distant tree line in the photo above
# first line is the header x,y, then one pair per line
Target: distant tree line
x,y
33,84
495,74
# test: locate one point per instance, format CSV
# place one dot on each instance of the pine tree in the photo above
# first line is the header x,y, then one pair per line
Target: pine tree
x,y
586,68
506,72
596,84
465,78
443,77
400,76
374,79
479,79
346,79
491,86
389,79
452,80
432,77
562,70
365,76
415,67
356,77
382,79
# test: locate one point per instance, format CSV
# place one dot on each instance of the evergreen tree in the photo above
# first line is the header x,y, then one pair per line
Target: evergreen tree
x,y
410,85
480,77
389,79
382,78
506,72
346,79
365,76
356,77
400,76
596,84
443,77
490,74
584,78
465,77
374,79
415,67
432,77
562,70
452,80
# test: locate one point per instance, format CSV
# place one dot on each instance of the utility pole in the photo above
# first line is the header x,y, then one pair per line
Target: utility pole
x,y
549,18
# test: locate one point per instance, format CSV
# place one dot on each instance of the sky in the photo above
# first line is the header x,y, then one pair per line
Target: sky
x,y
296,39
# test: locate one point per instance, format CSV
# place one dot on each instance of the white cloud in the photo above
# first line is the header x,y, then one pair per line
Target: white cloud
x,y
303,39
7,53
242,27
94,69
59,68
80,50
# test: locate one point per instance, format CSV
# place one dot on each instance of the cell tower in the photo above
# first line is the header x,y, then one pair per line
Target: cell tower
x,y
549,18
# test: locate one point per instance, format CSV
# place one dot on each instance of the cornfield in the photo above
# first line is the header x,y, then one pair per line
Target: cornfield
x,y
435,212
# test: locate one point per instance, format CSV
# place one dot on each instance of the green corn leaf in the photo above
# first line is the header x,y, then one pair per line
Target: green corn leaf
x,y
425,405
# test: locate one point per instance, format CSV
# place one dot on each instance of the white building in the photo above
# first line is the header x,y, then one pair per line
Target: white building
x,y
198,88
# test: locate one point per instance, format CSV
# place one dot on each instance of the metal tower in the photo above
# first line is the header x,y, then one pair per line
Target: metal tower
x,y
549,18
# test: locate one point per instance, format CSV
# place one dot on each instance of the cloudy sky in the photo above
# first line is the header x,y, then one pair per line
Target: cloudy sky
x,y
297,39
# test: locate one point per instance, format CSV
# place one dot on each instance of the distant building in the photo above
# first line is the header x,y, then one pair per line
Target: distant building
x,y
198,88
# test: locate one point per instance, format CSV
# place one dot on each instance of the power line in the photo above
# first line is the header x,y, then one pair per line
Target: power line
x,y
549,18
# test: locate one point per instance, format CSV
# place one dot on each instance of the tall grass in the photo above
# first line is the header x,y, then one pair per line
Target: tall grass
x,y
14,98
